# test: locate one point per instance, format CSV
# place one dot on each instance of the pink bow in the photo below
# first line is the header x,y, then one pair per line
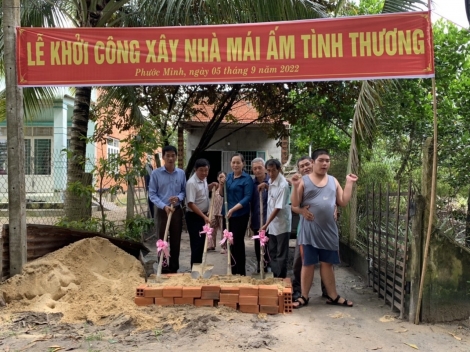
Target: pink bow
x,y
263,239
163,246
228,237
207,230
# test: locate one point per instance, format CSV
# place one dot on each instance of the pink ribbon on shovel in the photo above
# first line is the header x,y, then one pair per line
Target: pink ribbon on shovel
x,y
207,229
162,246
228,237
263,239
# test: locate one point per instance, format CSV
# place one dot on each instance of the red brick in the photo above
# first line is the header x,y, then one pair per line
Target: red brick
x,y
214,288
164,301
287,298
153,292
143,301
230,305
269,301
203,302
184,300
269,309
268,290
139,292
248,300
210,295
228,298
192,291
281,302
249,309
230,289
287,282
249,290
173,291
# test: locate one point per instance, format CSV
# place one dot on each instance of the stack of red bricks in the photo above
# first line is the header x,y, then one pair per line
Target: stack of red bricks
x,y
247,299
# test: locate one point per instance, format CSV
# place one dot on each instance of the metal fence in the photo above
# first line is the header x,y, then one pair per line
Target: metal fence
x,y
46,183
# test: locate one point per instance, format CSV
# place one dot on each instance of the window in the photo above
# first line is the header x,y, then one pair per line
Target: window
x,y
249,156
113,151
3,157
37,157
42,156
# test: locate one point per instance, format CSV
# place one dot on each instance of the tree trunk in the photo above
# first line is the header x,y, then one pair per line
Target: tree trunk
x,y
15,141
78,207
219,113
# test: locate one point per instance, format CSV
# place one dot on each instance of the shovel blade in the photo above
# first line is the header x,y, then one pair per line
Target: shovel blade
x,y
267,275
199,270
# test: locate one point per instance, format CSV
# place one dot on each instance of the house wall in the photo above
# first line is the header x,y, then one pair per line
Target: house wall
x,y
247,139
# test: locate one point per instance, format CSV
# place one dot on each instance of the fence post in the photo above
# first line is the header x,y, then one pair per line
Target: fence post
x,y
414,261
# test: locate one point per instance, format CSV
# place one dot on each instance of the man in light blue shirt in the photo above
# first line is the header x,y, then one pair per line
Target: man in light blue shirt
x,y
168,187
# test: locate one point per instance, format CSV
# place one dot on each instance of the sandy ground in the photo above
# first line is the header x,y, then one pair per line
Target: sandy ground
x,y
368,326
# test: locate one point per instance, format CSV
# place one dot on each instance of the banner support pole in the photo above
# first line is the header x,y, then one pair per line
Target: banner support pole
x,y
433,196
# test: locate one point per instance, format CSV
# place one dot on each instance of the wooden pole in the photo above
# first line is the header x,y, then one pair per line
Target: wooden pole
x,y
15,141
229,254
261,247
433,196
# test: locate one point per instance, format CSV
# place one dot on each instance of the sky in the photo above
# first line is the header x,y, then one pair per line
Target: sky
x,y
453,10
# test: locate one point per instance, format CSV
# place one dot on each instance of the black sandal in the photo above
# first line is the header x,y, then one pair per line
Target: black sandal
x,y
335,302
300,304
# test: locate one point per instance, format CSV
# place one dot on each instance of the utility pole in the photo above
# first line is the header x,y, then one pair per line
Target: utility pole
x,y
15,141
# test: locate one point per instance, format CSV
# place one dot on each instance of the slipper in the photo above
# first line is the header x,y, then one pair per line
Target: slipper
x,y
300,304
335,302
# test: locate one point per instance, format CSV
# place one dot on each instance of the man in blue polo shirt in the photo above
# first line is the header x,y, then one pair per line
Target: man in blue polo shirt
x,y
168,187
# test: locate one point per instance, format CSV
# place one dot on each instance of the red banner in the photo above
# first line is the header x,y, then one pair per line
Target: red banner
x,y
350,48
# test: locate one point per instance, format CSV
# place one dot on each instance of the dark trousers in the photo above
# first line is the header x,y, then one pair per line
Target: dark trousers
x,y
176,226
196,240
297,268
279,253
258,253
151,208
238,226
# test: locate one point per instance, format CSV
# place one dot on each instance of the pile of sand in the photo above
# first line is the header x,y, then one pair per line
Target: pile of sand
x,y
93,280
88,280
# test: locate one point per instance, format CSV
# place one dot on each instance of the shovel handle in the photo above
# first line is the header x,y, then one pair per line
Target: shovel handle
x,y
261,259
229,263
204,253
165,237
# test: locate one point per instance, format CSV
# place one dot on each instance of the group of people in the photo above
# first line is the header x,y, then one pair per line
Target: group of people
x,y
265,204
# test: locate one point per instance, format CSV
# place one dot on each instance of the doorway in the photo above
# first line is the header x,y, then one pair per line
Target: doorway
x,y
215,160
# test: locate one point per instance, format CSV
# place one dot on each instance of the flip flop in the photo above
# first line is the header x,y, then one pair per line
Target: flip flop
x,y
335,302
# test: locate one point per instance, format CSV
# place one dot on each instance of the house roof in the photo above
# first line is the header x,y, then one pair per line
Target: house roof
x,y
241,113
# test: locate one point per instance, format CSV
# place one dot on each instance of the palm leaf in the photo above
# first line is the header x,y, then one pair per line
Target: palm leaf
x,y
404,5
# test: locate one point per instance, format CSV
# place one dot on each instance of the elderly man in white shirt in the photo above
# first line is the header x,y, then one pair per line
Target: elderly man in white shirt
x,y
279,216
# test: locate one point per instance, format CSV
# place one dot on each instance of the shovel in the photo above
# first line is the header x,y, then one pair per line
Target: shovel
x,y
203,269
229,255
262,275
165,238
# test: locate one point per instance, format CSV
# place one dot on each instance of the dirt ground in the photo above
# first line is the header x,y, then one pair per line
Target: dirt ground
x,y
368,326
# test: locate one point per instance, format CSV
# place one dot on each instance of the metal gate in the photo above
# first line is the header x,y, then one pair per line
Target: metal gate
x,y
388,225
